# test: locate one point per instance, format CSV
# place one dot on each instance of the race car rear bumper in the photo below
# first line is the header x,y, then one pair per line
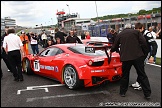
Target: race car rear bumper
x,y
99,78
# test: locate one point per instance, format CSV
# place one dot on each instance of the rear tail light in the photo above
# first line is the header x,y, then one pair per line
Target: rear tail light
x,y
90,62
96,62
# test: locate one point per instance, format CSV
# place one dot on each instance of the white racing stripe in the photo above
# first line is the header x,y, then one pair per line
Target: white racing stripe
x,y
67,95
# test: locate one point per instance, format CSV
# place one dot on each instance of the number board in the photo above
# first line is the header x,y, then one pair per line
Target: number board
x,y
89,49
36,65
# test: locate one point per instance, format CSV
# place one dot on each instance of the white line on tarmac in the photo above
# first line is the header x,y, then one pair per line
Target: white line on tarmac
x,y
19,91
154,64
39,87
45,86
67,95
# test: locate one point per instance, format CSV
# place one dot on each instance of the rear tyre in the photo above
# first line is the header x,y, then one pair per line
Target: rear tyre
x,y
71,78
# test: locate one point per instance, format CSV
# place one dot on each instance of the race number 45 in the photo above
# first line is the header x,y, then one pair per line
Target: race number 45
x,y
36,65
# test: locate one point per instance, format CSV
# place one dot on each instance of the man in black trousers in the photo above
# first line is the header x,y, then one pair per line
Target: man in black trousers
x,y
3,53
152,46
13,45
133,50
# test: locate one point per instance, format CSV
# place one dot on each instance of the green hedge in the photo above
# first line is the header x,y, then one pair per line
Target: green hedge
x,y
158,61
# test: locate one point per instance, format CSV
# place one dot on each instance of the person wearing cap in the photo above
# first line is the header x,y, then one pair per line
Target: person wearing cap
x,y
25,41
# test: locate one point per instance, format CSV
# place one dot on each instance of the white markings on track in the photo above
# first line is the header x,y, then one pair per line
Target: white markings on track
x,y
67,95
39,87
19,91
153,64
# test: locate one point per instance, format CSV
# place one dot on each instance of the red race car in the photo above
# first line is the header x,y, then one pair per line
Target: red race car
x,y
75,64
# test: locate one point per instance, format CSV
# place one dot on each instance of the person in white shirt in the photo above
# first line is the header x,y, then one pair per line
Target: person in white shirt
x,y
152,32
155,35
34,43
14,47
44,39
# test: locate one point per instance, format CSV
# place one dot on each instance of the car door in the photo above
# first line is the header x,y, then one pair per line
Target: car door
x,y
46,61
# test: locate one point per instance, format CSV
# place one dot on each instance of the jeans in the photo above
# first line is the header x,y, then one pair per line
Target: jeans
x,y
35,48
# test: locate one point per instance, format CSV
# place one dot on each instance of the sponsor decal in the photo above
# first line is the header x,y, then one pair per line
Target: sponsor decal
x,y
102,70
53,68
37,67
56,69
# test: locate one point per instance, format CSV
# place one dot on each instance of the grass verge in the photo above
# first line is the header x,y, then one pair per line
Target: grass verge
x,y
158,61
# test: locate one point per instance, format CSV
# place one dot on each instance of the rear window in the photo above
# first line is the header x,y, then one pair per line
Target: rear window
x,y
81,50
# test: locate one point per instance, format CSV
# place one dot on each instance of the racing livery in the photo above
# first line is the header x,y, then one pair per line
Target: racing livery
x,y
75,65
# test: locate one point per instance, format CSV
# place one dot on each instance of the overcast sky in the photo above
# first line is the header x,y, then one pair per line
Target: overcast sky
x,y
31,13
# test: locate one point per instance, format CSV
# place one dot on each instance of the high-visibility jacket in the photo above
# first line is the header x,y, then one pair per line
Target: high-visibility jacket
x,y
23,38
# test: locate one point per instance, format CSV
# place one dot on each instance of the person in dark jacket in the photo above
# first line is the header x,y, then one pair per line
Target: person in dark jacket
x,y
113,33
73,38
3,53
133,49
58,41
83,35
110,36
60,35
49,43
152,46
1,60
28,34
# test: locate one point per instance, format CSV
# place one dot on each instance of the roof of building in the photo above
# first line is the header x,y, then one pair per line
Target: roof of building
x,y
69,19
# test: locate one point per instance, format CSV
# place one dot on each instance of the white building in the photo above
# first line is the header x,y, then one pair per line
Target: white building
x,y
10,22
78,24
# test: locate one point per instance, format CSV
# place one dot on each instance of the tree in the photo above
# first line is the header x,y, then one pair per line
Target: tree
x,y
142,12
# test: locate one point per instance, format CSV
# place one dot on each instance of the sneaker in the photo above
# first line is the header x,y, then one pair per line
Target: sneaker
x,y
135,85
138,88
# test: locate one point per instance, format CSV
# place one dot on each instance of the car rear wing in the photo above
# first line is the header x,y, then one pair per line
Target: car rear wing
x,y
98,43
92,49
